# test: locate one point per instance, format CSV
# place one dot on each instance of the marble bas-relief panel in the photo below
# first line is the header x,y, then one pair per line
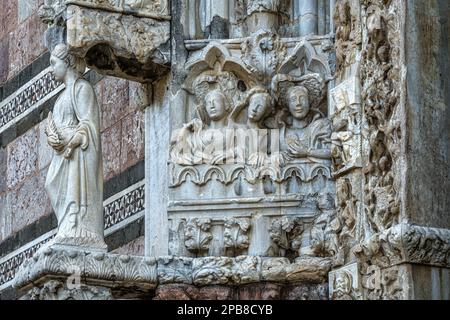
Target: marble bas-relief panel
x,y
251,151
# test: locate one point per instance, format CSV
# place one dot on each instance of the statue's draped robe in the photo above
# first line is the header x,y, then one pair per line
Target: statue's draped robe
x,y
75,185
315,136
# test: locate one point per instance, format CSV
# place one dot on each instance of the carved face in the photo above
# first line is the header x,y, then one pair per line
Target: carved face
x,y
215,105
298,102
258,107
59,68
383,53
342,284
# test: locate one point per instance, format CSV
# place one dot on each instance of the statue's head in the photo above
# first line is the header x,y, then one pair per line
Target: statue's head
x,y
298,102
62,60
383,53
342,284
374,19
216,105
260,106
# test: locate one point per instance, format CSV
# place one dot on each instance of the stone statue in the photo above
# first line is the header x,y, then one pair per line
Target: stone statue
x,y
260,105
75,177
201,140
308,134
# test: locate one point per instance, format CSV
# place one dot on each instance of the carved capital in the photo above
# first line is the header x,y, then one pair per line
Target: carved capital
x,y
236,234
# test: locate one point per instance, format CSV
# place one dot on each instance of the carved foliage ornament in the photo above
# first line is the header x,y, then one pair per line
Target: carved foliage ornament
x,y
197,234
236,233
407,243
286,235
380,76
348,33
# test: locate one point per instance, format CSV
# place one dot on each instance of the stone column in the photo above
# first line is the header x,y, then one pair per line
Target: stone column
x,y
158,121
331,13
192,20
322,17
308,17
263,15
214,15
157,130
212,8
427,107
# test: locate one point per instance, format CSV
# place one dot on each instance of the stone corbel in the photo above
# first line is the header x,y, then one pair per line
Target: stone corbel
x,y
127,39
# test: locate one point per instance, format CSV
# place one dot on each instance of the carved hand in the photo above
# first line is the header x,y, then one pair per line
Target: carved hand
x,y
53,137
257,159
74,143
55,143
278,159
297,150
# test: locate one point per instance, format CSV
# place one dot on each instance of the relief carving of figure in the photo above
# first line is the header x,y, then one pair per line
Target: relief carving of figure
x,y
74,180
343,148
306,134
260,105
342,287
202,140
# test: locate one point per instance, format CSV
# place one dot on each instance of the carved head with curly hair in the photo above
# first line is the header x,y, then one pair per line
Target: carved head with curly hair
x,y
299,95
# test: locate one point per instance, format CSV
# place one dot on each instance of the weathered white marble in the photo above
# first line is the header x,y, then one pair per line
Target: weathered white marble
x,y
74,180
279,149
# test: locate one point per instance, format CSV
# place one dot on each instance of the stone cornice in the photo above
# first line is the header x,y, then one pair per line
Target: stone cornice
x,y
146,273
406,243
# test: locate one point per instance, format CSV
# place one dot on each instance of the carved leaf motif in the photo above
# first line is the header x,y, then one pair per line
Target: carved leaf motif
x,y
286,235
197,235
236,233
51,130
379,74
212,269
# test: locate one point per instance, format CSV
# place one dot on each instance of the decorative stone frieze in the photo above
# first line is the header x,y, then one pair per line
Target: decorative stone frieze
x,y
34,93
59,272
